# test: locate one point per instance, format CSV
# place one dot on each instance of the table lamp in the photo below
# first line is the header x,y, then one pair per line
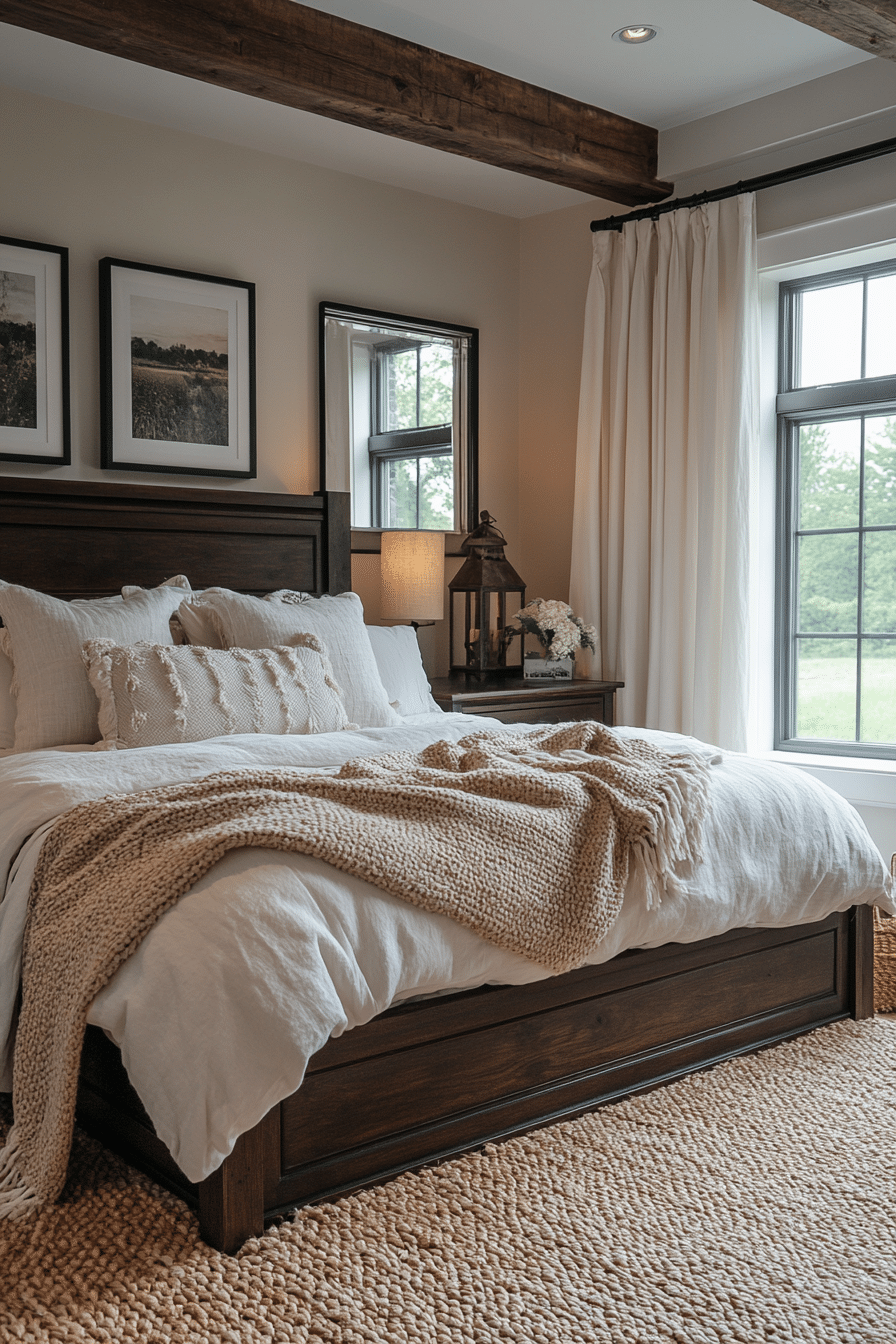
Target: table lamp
x,y
412,577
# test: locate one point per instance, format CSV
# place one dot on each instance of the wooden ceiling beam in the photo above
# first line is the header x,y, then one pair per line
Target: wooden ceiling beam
x,y
289,53
867,24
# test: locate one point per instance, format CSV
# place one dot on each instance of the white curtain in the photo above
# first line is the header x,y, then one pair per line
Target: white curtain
x,y
668,418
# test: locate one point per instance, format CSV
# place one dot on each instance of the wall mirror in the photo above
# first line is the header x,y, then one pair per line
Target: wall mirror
x,y
399,418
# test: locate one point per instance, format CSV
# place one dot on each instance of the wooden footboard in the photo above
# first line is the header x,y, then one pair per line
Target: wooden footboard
x,y
429,1080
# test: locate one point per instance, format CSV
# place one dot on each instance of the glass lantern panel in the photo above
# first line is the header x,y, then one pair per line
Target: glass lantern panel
x,y
464,619
493,651
480,621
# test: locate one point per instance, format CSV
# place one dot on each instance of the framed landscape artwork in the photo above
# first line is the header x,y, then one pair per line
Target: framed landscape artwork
x,y
177,371
34,387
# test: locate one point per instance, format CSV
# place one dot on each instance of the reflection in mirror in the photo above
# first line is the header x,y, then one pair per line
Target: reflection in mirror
x,y
398,418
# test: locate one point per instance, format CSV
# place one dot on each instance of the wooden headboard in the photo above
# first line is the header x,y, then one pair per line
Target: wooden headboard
x,y
88,538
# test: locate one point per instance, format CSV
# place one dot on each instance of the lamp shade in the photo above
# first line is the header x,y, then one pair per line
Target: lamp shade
x,y
412,576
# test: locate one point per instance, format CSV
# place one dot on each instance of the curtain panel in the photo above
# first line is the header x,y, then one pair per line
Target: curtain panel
x,y
668,418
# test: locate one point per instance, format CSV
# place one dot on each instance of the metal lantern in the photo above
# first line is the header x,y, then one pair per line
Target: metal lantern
x,y
485,594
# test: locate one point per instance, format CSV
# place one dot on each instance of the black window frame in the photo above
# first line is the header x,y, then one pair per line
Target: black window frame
x,y
796,406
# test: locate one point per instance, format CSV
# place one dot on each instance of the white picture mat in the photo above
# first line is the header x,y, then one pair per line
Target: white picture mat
x,y
161,453
47,439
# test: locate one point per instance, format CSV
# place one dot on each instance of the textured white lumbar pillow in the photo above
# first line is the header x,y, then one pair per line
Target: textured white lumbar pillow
x,y
153,694
42,635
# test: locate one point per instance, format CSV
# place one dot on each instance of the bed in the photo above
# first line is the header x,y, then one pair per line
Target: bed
x,y
429,1077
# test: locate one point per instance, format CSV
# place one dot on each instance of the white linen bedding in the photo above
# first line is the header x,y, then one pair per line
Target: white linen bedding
x,y
227,998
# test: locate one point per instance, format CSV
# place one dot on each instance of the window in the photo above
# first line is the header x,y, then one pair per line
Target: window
x,y
398,418
412,466
836,408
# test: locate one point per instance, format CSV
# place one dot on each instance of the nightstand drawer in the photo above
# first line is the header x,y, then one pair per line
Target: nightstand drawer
x,y
541,713
518,701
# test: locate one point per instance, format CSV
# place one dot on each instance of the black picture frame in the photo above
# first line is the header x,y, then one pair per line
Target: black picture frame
x,y
183,399
35,417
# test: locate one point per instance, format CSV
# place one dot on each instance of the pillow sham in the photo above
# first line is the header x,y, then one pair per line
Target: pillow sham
x,y
152,694
42,635
176,630
244,622
400,666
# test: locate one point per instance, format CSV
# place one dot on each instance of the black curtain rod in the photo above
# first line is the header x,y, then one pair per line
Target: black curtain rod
x,y
799,170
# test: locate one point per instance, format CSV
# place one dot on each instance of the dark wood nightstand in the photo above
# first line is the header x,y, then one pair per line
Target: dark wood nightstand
x,y
513,700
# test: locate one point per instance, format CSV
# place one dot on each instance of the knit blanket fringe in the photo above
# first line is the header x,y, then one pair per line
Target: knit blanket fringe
x,y
677,841
16,1196
528,839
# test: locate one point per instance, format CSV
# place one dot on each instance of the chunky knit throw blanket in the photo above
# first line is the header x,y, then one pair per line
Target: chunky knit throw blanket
x,y
528,840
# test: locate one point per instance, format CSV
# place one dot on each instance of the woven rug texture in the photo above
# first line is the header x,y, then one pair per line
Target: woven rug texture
x,y
752,1203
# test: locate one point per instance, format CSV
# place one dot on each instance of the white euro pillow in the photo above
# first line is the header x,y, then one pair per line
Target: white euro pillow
x,y
42,635
244,622
401,670
151,694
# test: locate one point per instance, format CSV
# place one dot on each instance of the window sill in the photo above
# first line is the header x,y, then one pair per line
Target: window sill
x,y
366,541
859,779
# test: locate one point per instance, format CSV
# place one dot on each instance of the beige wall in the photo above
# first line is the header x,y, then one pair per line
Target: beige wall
x,y
107,186
555,263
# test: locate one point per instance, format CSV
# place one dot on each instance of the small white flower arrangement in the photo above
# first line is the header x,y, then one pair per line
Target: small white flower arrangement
x,y
555,627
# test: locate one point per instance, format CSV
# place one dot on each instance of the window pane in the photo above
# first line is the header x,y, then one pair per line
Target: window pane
x,y
830,335
879,597
437,493
401,391
828,584
878,690
400,494
436,384
880,336
880,470
829,465
826,688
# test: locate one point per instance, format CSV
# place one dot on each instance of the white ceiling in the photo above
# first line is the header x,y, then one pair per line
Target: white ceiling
x,y
709,55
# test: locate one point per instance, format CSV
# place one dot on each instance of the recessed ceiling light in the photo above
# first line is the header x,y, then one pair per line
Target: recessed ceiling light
x,y
635,33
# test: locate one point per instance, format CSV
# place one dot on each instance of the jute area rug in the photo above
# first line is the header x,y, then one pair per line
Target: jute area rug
x,y
754,1203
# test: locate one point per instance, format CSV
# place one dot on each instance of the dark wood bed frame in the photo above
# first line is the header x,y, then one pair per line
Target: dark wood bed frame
x,y
427,1080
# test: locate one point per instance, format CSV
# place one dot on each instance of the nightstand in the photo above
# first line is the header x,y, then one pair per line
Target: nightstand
x,y
513,700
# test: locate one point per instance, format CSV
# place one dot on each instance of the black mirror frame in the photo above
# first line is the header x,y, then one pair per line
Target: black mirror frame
x,y
326,309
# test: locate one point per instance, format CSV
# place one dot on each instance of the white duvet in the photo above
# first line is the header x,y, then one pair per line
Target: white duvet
x,y
227,998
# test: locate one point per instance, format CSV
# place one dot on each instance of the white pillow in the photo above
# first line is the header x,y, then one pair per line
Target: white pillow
x,y
152,694
7,705
397,655
55,703
245,622
178,635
